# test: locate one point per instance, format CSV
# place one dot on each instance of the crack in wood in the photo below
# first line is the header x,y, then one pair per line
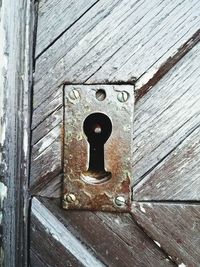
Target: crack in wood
x,y
63,32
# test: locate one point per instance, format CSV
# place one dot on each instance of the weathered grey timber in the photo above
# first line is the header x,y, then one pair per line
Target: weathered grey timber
x,y
55,17
174,227
151,44
164,120
15,69
115,239
116,41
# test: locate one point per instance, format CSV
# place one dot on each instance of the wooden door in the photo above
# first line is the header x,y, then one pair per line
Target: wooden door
x,y
154,47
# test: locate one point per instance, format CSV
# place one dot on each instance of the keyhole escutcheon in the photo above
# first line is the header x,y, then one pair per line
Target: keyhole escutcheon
x,y
97,128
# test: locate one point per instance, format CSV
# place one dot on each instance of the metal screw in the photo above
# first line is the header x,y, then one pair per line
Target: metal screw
x,y
123,96
70,198
74,94
120,201
100,94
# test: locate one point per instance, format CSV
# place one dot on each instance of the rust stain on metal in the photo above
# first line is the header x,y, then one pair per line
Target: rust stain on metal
x,y
93,194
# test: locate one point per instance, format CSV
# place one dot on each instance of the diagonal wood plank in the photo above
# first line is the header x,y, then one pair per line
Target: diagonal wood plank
x,y
46,141
177,177
46,165
48,124
167,115
144,51
51,188
41,112
46,155
60,248
107,41
151,77
48,253
115,238
35,261
55,16
174,227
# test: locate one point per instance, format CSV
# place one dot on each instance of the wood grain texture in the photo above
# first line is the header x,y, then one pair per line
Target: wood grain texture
x,y
41,112
149,78
48,124
46,153
114,238
153,44
35,261
110,42
174,227
55,17
177,177
66,248
52,188
164,117
46,141
46,250
47,164
16,27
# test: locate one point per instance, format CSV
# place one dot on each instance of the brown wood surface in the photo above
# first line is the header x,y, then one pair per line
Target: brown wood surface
x,y
174,227
46,250
115,239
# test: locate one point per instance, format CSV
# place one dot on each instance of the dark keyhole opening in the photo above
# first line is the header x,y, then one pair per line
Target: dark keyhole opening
x,y
97,127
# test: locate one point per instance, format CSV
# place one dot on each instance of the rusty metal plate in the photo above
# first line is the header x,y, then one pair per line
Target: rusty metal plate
x,y
98,133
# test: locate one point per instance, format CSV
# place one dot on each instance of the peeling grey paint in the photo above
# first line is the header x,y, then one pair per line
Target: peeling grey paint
x,y
3,71
3,194
15,58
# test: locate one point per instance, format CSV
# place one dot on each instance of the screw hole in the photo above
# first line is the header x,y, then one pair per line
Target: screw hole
x,y
100,94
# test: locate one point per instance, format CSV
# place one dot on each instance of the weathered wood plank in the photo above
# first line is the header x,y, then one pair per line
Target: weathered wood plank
x,y
115,238
65,247
41,111
45,166
46,250
168,24
151,77
108,45
174,227
52,188
167,115
35,261
16,30
46,141
55,17
47,125
177,177
46,154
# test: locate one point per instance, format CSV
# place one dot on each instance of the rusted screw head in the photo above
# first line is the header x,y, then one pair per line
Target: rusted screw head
x,y
74,94
120,201
123,96
70,198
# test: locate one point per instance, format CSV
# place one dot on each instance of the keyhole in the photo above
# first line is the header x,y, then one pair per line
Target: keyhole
x,y
97,127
